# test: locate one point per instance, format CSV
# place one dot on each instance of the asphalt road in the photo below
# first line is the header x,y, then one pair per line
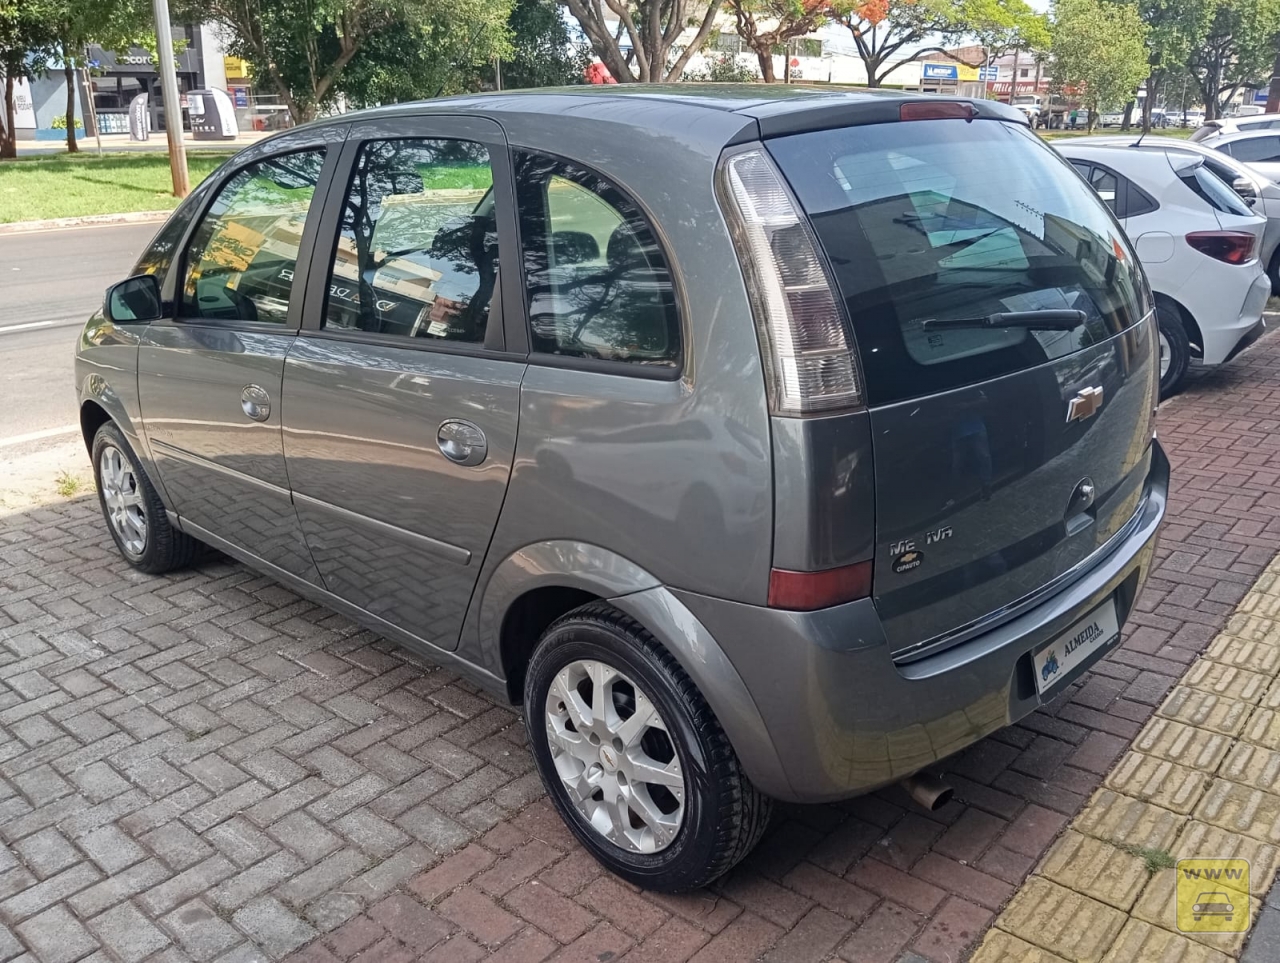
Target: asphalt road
x,y
50,282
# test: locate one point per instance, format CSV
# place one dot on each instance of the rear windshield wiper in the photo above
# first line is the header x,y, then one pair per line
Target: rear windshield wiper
x,y
1050,319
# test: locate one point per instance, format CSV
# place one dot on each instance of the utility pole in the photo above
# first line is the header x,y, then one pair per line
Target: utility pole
x,y
172,105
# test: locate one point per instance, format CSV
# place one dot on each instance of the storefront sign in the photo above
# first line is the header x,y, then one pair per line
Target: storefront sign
x,y
139,126
941,72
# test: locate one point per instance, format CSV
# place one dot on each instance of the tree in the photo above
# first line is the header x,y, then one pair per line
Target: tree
x,y
652,27
1099,48
542,52
1004,25
310,51
1238,50
765,25
723,67
114,25
25,41
883,29
1175,29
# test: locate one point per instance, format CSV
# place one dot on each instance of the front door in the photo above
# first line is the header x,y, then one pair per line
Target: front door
x,y
209,379
400,398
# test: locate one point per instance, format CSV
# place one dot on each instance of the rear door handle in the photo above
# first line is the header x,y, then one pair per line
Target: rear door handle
x,y
255,402
462,443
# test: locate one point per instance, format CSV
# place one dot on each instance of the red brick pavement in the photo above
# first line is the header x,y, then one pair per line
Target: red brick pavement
x,y
207,768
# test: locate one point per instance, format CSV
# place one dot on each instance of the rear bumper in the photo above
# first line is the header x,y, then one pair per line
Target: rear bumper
x,y
841,718
1223,342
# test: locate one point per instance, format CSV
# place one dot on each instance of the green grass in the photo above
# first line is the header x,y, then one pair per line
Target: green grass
x,y
64,185
1135,130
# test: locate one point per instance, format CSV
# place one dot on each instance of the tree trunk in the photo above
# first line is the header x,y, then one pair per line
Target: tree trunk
x,y
69,71
1127,121
765,56
1146,105
1273,92
9,137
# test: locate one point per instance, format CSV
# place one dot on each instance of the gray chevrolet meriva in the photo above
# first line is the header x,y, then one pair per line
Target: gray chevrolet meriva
x,y
762,442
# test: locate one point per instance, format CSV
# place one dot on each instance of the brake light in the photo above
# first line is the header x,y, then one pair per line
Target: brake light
x,y
806,591
807,349
1234,247
937,110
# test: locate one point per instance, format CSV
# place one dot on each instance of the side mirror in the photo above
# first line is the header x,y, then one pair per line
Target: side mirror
x,y
134,299
1244,187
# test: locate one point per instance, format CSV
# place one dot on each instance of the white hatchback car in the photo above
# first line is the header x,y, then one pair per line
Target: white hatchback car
x,y
1235,125
1198,242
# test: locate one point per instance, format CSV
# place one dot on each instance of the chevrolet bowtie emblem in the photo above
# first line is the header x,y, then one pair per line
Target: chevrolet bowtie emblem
x,y
1084,405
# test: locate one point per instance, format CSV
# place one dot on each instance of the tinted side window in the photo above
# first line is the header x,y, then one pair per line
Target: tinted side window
x,y
417,250
598,283
241,260
164,246
1256,149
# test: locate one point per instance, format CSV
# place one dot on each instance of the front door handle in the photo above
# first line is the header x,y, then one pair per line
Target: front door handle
x,y
462,442
255,402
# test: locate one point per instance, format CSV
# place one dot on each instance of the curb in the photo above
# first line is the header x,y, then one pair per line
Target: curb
x,y
89,220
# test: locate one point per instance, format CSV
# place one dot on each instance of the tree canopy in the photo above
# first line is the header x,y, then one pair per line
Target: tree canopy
x,y
1099,49
766,24
653,30
1238,49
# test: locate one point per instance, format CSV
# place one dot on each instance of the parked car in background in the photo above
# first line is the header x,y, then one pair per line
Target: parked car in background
x,y
1198,241
1260,149
1260,193
1111,118
1235,125
760,442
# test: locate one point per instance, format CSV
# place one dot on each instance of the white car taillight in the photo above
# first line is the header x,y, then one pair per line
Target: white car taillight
x,y
808,354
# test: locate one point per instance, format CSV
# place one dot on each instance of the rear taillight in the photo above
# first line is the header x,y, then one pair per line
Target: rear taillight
x,y
806,591
808,353
938,110
1234,247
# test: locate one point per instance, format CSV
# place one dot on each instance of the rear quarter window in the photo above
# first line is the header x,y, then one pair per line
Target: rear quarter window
x,y
950,219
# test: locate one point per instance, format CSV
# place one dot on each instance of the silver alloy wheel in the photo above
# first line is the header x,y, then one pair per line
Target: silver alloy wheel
x,y
123,498
1164,355
615,756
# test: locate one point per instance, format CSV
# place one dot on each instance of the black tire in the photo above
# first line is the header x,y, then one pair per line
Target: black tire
x,y
1273,272
724,814
1173,336
164,547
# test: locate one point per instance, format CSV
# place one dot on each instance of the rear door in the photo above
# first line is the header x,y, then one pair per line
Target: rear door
x,y
401,397
1004,456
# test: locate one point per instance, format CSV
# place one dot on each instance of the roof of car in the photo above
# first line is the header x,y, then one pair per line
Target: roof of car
x,y
776,108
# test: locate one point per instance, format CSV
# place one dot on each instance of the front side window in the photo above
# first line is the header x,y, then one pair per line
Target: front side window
x,y
417,250
240,264
598,284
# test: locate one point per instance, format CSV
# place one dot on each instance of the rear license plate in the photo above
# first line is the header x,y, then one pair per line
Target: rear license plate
x,y
1076,646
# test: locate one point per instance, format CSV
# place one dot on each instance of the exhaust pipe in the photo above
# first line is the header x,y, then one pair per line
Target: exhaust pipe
x,y
929,792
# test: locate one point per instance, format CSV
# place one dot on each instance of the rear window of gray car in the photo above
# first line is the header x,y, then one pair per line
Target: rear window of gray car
x,y
954,219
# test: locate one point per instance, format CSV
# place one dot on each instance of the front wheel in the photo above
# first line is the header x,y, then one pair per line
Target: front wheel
x,y
633,757
1175,350
132,508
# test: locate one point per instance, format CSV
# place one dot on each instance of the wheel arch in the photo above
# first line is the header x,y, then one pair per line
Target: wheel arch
x,y
1188,322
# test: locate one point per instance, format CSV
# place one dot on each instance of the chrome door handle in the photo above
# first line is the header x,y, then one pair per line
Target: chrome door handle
x,y
462,442
255,403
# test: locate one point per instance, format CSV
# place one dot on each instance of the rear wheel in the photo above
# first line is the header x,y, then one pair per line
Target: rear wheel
x,y
633,757
133,511
1175,349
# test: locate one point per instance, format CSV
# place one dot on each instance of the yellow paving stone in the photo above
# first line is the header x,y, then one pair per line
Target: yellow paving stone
x,y
1205,710
1095,868
1263,729
1254,766
1126,821
1268,582
1183,744
1260,606
1241,809
1253,628
1255,656
1272,699
1158,781
1062,921
1227,681
1156,905
1141,942
1002,947
1201,841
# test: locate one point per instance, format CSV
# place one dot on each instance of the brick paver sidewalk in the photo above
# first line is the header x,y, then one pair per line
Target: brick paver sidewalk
x,y
204,767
